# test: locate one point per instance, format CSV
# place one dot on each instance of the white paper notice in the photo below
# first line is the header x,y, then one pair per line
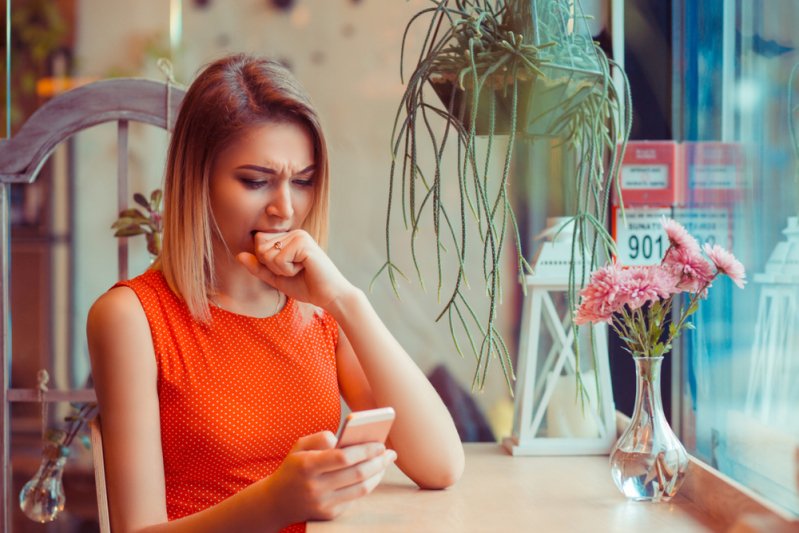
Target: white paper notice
x,y
644,177
642,240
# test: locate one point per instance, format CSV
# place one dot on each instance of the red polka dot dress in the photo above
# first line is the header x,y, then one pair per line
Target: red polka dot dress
x,y
235,394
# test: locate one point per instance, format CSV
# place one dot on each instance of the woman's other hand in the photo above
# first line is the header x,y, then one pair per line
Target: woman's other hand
x,y
294,264
317,480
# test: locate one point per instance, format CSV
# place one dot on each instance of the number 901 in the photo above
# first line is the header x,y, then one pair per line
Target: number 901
x,y
645,246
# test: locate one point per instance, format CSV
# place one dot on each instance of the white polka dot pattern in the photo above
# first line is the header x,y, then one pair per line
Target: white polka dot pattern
x,y
234,395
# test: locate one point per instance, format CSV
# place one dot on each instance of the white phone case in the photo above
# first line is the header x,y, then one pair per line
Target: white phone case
x,y
360,427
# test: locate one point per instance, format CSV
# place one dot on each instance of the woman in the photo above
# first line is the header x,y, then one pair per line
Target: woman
x,y
219,371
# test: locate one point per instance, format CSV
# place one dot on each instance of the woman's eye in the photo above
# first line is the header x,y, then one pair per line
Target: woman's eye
x,y
304,183
253,184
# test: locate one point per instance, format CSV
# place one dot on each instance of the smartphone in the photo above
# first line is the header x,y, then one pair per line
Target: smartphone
x,y
359,427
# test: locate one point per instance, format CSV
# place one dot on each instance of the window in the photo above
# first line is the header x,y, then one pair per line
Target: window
x,y
736,80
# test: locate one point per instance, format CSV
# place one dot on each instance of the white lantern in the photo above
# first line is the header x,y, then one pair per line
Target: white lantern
x,y
772,394
551,416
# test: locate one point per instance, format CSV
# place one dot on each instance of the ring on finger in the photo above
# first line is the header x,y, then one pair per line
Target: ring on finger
x,y
278,245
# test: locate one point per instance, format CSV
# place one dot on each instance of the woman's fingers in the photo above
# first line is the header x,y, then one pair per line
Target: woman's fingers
x,y
343,458
317,480
298,267
366,473
322,440
269,260
257,268
281,253
355,481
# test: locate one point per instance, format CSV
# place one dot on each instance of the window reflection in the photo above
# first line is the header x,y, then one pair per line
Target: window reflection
x,y
741,364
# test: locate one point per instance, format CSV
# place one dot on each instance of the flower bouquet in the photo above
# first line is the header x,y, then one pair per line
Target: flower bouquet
x,y
648,462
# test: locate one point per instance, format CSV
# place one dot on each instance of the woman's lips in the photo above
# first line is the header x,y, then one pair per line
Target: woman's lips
x,y
253,232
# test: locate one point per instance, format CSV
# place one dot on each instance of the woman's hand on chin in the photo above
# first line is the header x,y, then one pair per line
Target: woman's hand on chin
x,y
294,264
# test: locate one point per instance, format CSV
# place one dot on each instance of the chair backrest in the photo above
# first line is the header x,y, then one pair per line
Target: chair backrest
x,y
103,516
21,159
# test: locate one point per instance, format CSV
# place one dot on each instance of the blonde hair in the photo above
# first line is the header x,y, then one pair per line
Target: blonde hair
x,y
229,96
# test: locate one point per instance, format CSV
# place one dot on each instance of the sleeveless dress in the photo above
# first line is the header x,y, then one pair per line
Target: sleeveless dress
x,y
235,394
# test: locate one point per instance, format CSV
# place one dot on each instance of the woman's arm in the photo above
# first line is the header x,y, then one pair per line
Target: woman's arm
x,y
315,480
424,435
428,447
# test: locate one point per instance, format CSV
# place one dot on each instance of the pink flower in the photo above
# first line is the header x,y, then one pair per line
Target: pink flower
x,y
592,311
645,284
666,279
600,298
635,301
694,271
678,235
726,263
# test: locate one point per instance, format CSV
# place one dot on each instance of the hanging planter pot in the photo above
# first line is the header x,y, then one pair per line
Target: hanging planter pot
x,y
544,102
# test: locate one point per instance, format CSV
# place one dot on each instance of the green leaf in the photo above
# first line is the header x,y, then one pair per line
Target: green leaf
x,y
155,200
129,221
141,200
129,231
131,213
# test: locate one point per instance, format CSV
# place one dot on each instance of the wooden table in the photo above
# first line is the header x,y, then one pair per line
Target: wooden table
x,y
500,493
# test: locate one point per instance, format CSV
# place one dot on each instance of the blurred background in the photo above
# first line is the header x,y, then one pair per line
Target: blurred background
x,y
719,71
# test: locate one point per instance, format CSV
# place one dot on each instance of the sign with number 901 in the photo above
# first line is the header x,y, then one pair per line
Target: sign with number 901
x,y
641,241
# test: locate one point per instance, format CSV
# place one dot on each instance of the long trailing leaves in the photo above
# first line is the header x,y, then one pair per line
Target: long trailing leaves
x,y
486,50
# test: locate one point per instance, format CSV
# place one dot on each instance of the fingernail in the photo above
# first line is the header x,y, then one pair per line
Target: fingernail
x,y
392,455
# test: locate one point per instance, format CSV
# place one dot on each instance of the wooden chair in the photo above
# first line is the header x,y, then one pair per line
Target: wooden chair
x,y
21,159
103,516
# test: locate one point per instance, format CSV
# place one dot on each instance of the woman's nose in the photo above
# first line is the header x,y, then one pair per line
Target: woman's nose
x,y
280,202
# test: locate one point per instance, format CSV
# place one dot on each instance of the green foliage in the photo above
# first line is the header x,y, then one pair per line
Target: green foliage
x,y
133,222
37,30
642,329
488,51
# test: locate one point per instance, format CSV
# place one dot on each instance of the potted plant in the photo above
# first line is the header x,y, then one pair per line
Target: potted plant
x,y
648,461
521,68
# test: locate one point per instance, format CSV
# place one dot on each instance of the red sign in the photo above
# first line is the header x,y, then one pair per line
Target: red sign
x,y
649,174
714,172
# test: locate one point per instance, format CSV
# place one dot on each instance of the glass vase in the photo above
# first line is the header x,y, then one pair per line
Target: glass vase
x,y
42,498
648,462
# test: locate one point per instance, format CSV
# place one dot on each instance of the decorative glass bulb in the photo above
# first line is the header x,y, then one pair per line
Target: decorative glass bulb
x,y
42,498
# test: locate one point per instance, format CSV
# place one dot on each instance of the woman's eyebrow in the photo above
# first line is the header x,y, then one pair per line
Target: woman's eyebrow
x,y
266,170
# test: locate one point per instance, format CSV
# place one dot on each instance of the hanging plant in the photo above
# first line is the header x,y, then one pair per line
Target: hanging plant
x,y
524,69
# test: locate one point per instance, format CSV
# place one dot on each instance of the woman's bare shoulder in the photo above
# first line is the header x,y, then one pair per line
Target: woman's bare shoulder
x,y
119,305
116,324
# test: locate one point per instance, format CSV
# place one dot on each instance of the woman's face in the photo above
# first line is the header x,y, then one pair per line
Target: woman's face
x,y
263,182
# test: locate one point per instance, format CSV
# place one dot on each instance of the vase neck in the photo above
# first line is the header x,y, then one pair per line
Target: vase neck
x,y
648,368
647,392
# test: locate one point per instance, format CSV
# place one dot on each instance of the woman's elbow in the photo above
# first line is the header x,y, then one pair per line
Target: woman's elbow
x,y
446,473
